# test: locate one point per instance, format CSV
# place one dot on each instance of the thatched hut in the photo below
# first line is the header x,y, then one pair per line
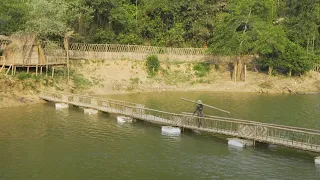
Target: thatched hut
x,y
25,51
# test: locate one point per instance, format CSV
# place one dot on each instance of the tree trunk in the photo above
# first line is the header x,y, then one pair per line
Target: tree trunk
x,y
270,70
66,47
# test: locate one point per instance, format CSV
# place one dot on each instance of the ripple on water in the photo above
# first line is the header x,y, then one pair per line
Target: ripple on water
x,y
40,142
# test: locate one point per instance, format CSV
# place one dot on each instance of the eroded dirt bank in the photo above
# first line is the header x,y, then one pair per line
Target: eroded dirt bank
x,y
124,76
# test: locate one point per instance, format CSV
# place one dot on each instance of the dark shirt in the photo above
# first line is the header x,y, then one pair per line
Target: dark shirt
x,y
199,110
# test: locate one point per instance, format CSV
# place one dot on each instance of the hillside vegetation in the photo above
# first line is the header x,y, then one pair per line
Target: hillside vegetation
x,y
285,34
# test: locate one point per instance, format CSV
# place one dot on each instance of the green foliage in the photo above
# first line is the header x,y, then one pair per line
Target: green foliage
x,y
81,82
201,69
23,76
266,84
252,27
285,34
46,17
134,80
152,64
12,16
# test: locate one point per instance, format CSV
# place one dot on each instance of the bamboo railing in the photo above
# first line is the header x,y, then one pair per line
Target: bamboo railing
x,y
120,51
301,138
316,67
132,48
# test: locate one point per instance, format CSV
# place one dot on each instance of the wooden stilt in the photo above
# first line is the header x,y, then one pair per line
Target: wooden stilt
x,y
12,70
52,71
15,70
36,70
28,69
2,67
46,70
4,64
9,69
40,70
235,72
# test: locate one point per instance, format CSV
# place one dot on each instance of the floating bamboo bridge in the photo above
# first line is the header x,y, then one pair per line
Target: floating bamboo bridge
x,y
295,137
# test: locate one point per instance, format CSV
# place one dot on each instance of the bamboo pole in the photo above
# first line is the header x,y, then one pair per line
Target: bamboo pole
x,y
4,63
207,105
66,47
2,67
8,69
235,72
47,70
52,71
36,70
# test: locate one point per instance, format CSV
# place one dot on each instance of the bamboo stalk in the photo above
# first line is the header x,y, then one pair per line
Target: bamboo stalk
x,y
206,105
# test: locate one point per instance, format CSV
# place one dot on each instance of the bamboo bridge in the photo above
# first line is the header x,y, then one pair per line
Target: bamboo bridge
x,y
295,137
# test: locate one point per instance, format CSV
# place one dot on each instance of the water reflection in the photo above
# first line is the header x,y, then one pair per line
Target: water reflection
x,y
39,142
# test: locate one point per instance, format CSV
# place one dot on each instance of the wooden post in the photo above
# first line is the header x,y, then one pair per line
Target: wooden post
x,y
8,69
15,70
46,70
12,70
66,47
36,70
4,62
2,67
52,71
28,69
235,72
40,70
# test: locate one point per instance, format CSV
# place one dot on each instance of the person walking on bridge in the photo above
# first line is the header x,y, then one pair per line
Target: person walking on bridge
x,y
199,111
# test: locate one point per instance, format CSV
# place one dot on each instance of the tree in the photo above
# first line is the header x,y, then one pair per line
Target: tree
x,y
46,17
12,16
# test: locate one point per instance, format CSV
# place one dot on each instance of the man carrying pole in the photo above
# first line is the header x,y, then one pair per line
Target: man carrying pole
x,y
199,111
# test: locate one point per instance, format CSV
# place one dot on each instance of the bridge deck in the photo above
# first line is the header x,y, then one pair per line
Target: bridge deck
x,y
301,138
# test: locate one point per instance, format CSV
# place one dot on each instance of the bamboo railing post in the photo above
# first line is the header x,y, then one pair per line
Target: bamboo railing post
x,y
52,72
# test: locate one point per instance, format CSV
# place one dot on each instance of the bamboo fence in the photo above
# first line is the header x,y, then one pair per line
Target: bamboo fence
x,y
135,52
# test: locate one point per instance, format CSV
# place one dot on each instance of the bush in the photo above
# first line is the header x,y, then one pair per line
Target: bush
x,y
23,76
266,84
81,82
201,69
152,64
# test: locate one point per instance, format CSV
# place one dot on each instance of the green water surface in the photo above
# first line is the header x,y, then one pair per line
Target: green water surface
x,y
40,142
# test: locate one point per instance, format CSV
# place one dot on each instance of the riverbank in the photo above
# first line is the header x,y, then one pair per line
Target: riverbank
x,y
124,76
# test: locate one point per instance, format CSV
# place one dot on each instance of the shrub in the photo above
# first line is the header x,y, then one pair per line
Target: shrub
x,y
266,84
81,82
201,69
23,76
152,65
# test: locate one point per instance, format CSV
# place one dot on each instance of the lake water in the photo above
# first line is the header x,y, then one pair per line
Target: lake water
x,y
39,142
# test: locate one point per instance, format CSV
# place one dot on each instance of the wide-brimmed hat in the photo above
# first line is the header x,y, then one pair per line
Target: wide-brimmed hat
x,y
199,102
